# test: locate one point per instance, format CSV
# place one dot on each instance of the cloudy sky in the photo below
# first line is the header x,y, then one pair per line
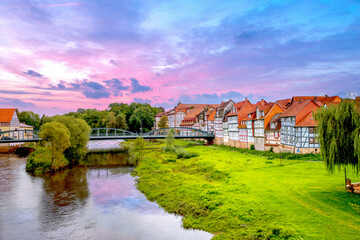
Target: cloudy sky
x,y
60,55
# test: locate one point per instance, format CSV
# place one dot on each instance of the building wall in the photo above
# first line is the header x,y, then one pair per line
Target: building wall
x,y
287,131
179,116
273,137
218,126
233,128
306,138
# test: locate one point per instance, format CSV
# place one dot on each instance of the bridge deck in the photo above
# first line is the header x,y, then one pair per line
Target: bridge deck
x,y
110,134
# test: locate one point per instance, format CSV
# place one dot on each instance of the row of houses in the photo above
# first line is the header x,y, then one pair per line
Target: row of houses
x,y
286,125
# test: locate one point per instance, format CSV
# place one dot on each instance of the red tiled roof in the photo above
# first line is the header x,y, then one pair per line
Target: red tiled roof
x,y
307,121
322,99
295,108
284,103
192,113
212,116
161,114
6,114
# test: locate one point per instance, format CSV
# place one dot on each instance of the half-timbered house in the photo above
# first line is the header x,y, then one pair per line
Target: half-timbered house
x,y
221,111
264,113
298,128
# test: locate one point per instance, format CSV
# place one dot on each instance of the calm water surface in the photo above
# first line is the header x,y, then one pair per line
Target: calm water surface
x,y
81,203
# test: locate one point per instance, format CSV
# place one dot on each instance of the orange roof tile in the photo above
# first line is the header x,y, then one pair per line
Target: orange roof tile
x,y
295,108
6,114
307,121
322,99
284,103
192,113
212,116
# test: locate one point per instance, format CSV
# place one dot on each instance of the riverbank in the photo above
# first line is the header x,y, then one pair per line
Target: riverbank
x,y
240,195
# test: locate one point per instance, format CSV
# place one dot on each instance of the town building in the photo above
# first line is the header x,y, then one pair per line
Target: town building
x,y
298,128
264,113
236,118
9,121
221,111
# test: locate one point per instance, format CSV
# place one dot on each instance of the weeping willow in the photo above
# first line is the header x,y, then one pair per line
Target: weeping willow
x,y
339,135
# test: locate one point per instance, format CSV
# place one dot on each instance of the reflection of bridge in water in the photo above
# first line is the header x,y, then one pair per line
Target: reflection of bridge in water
x,y
112,133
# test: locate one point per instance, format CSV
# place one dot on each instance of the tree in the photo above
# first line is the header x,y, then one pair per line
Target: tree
x,y
120,118
338,128
112,121
79,136
170,141
144,116
29,118
136,151
58,138
163,123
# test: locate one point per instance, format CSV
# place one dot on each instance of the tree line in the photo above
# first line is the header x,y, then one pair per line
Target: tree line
x,y
118,115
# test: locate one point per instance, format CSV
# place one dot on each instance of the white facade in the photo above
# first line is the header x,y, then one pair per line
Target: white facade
x,y
179,116
233,128
218,127
250,131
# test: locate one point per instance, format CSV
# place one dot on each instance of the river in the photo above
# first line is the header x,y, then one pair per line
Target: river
x,y
95,202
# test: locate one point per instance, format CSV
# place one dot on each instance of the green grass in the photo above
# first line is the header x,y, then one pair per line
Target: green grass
x,y
240,195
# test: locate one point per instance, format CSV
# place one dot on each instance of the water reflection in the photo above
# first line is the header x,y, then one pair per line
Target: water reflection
x,y
105,159
66,191
81,203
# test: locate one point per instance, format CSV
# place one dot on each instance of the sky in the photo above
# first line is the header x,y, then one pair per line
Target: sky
x,y
60,55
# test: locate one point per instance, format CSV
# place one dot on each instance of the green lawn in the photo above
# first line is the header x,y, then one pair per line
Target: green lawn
x,y
238,195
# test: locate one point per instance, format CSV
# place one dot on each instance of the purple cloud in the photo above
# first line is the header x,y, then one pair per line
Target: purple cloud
x,y
136,87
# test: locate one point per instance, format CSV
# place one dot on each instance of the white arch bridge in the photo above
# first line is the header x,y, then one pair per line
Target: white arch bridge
x,y
112,133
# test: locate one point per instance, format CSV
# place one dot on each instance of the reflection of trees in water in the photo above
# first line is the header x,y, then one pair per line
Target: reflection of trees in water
x,y
65,193
106,159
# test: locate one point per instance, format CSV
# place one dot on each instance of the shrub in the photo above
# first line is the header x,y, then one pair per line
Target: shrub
x,y
182,153
252,147
136,151
39,161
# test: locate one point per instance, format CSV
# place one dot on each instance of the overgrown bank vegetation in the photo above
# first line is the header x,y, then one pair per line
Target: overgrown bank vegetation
x,y
64,142
240,195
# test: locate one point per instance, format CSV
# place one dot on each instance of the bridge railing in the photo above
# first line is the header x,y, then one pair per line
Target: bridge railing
x,y
19,135
110,132
180,132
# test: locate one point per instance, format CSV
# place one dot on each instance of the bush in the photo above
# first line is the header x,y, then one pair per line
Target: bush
x,y
182,153
252,147
39,162
136,151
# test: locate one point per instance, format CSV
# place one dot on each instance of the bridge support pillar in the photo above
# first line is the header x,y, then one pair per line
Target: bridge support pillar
x,y
210,141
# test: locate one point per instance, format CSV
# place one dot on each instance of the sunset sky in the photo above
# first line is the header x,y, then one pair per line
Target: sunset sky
x,y
60,55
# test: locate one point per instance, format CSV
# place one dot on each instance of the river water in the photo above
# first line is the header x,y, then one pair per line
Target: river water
x,y
94,202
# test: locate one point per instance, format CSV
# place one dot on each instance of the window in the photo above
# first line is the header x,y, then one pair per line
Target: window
x,y
311,140
276,134
316,140
311,129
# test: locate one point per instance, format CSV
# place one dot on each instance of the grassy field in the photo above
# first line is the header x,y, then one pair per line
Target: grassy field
x,y
238,195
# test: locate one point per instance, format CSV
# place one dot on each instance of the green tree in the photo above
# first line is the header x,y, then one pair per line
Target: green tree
x,y
29,118
136,150
170,141
112,121
120,118
57,137
163,123
79,136
142,115
338,128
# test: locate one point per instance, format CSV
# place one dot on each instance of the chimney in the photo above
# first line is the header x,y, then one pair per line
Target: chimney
x,y
246,99
262,102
